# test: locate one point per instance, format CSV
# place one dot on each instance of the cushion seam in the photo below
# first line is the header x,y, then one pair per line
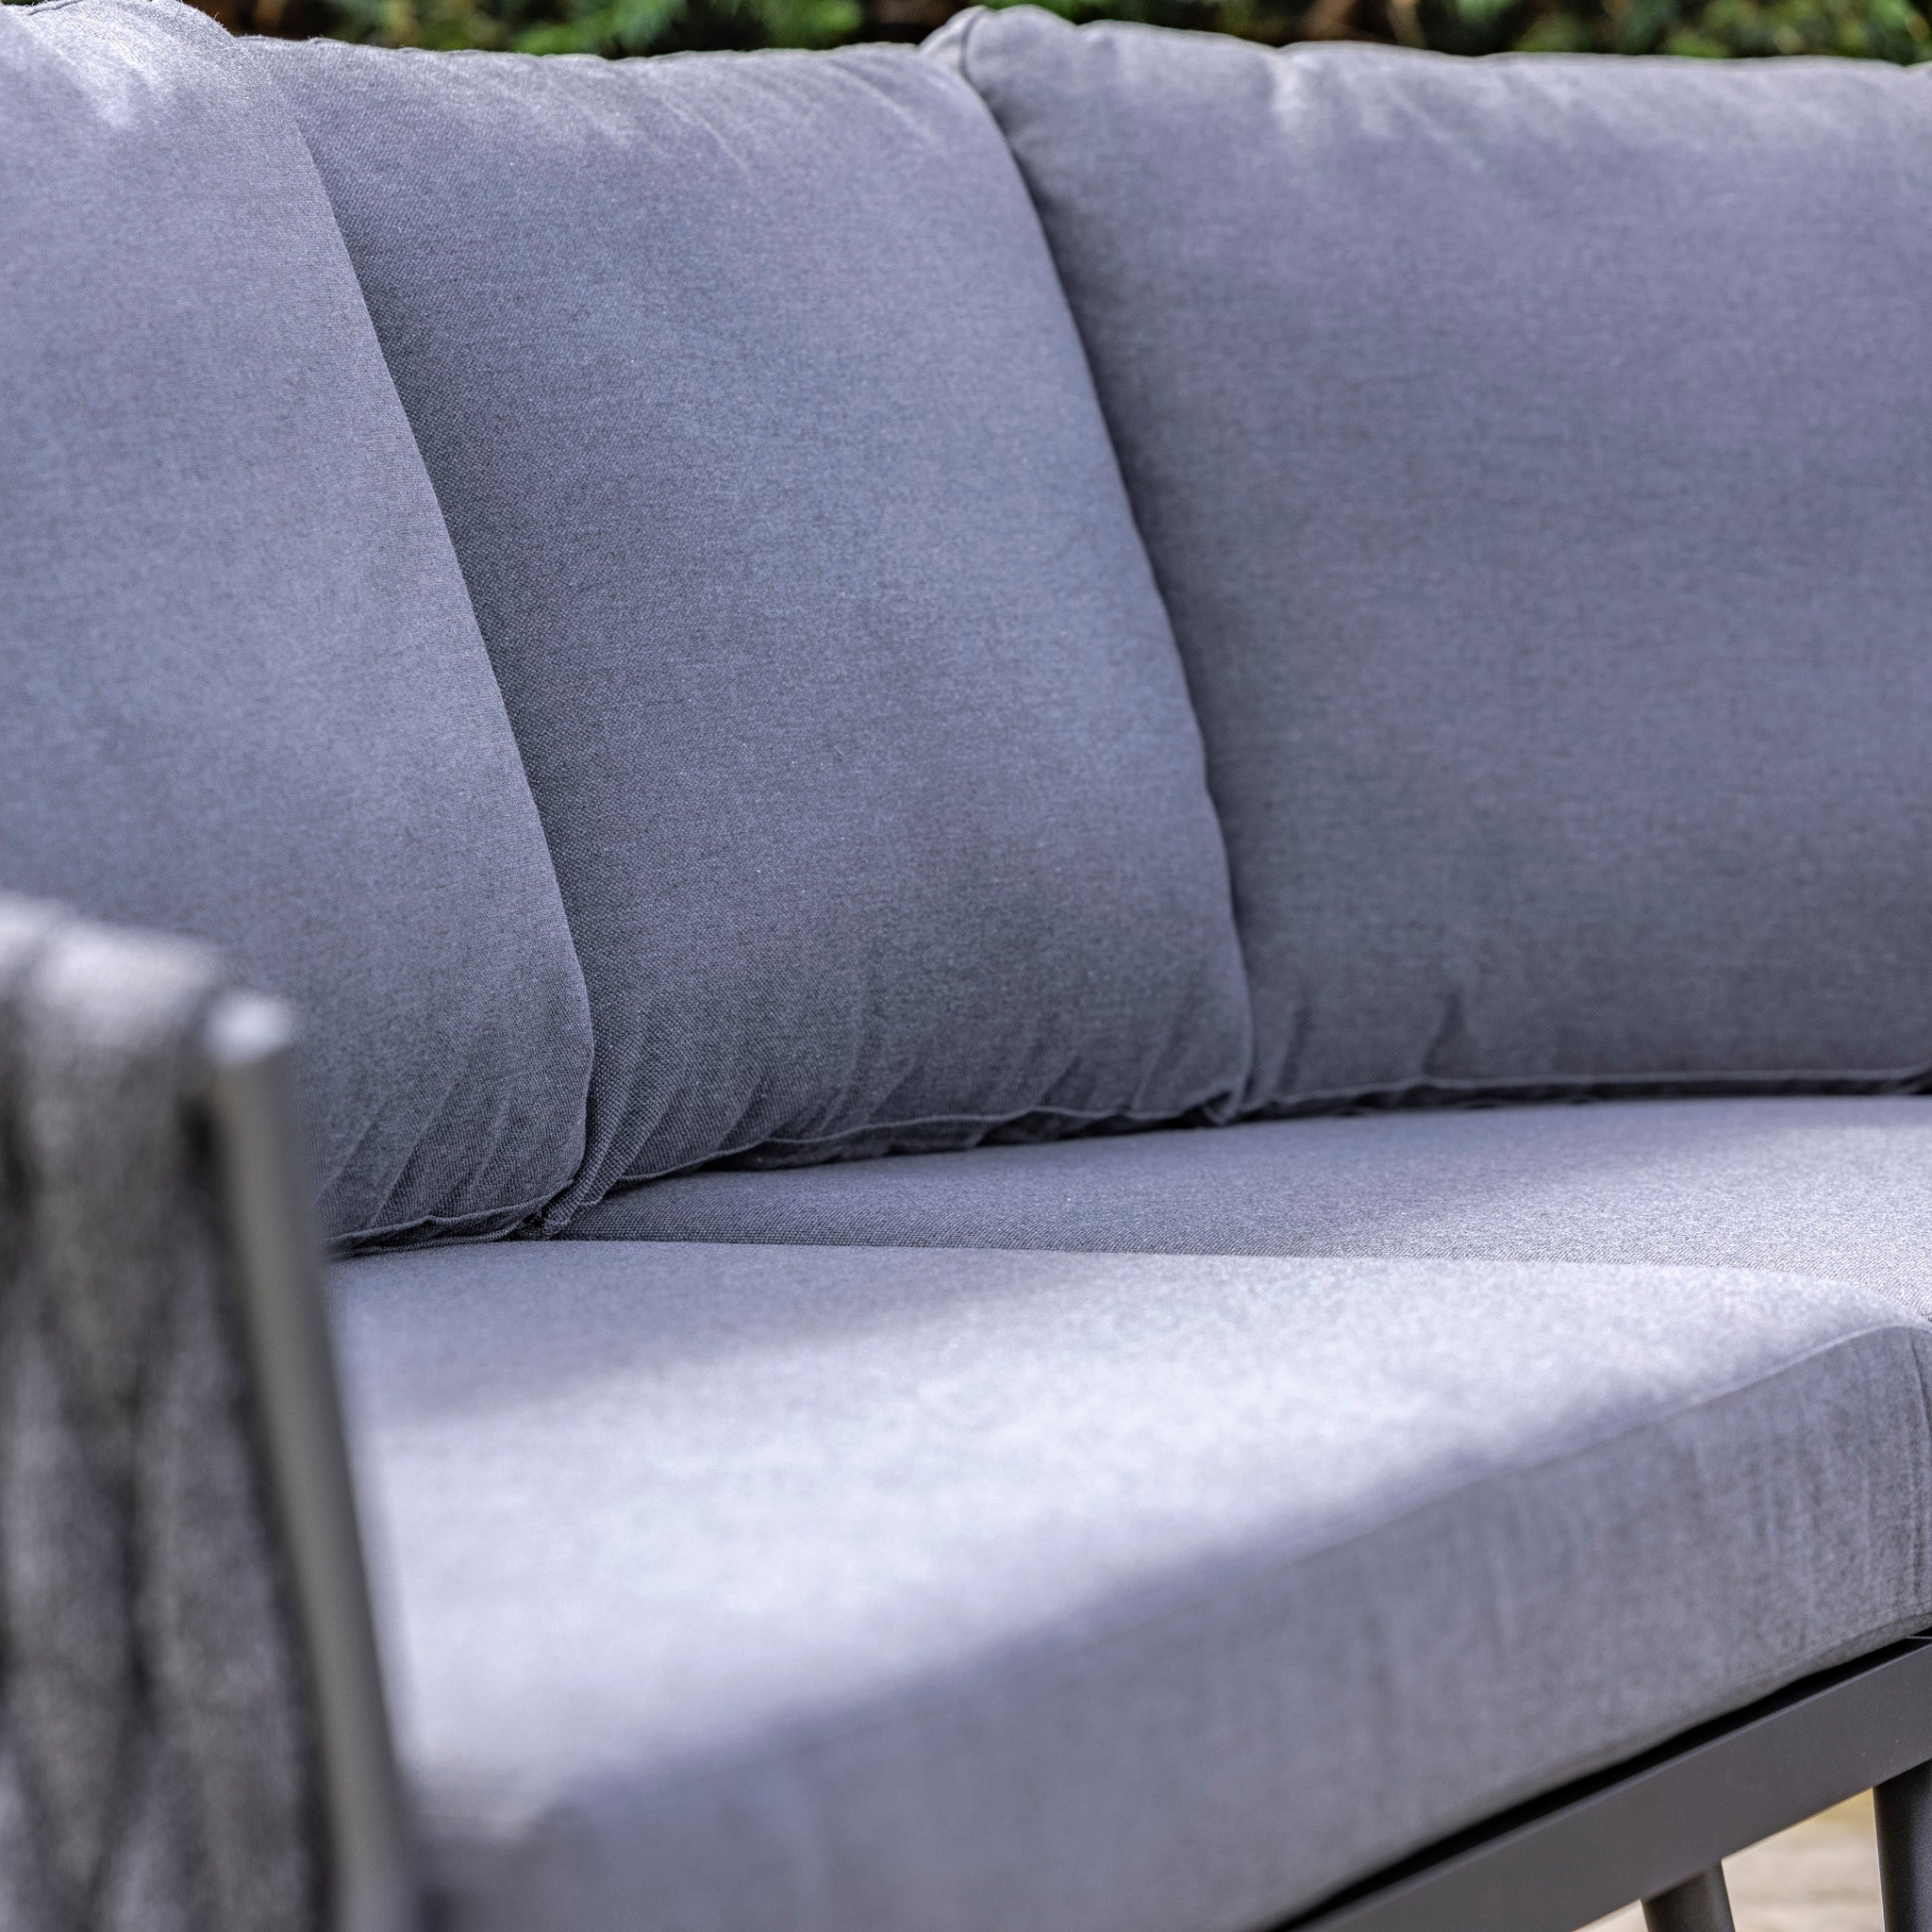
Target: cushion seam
x,y
1085,1117
1901,1079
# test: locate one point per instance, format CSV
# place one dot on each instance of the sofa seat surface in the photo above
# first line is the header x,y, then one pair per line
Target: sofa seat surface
x,y
743,1587
1817,1185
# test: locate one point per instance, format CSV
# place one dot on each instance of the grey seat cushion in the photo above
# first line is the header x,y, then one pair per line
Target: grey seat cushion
x,y
1826,1186
244,696
855,719
743,1588
1545,553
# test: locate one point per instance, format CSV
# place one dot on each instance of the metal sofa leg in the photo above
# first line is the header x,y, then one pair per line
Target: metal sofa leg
x,y
1905,1849
1699,1905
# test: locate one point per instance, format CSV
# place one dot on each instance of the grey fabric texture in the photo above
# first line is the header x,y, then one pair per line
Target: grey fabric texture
x,y
1827,1186
934,1590
156,1769
245,697
845,693
1528,453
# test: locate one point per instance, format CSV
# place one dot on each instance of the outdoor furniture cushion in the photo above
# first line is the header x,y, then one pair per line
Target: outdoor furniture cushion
x,y
846,695
244,697
1818,1186
1529,451
930,1591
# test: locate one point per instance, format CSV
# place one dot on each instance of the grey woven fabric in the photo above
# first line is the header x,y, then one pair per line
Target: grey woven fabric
x,y
1529,451
854,716
1830,1185
833,1589
156,1771
244,695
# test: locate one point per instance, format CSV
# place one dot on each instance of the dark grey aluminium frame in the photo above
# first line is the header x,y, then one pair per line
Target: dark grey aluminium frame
x,y
1658,1826
1654,1828
271,1238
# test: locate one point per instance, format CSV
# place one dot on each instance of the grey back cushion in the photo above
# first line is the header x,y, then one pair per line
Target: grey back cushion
x,y
1536,457
854,716
242,692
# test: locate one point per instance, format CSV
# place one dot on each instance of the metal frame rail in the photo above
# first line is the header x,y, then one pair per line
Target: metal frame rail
x,y
1658,1826
270,1228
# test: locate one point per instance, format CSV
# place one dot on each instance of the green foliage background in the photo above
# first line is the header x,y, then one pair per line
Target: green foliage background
x,y
1896,30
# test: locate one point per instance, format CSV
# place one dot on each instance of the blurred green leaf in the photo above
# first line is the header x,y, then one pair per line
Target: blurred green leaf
x,y
1894,30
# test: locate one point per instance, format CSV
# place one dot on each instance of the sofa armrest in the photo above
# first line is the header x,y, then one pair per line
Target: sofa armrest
x,y
192,1725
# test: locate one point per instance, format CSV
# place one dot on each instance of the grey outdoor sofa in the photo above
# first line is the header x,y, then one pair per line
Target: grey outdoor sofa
x,y
1105,864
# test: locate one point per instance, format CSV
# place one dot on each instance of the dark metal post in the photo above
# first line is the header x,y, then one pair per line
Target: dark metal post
x,y
1699,1905
1905,1849
285,1330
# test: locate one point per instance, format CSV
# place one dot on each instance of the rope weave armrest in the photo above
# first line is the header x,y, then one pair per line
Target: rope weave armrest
x,y
158,1764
